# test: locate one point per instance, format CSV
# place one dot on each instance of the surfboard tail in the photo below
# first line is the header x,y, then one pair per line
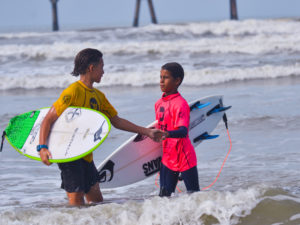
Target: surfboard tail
x,y
19,128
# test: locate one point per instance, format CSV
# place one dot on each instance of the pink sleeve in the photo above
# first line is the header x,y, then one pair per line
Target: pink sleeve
x,y
156,115
181,115
155,107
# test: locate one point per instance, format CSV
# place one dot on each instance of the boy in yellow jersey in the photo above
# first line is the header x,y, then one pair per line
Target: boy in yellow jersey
x,y
80,177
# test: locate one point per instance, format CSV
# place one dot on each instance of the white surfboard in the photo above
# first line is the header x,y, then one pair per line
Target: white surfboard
x,y
139,157
75,134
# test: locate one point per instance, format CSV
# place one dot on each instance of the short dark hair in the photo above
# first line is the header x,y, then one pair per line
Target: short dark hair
x,y
84,58
175,69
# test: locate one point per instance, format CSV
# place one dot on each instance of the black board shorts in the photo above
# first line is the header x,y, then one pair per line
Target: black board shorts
x,y
169,179
78,176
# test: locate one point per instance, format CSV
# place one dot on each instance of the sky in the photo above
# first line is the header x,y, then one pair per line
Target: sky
x,y
36,15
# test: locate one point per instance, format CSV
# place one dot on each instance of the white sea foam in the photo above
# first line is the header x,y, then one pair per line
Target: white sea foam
x,y
204,76
227,27
295,217
211,53
62,48
222,207
213,207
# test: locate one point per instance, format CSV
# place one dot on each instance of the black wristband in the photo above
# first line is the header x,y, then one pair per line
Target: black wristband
x,y
180,133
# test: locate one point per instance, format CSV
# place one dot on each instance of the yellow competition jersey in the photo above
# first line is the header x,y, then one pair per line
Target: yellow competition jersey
x,y
78,94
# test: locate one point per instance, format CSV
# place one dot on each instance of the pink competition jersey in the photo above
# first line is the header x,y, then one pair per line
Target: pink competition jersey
x,y
172,112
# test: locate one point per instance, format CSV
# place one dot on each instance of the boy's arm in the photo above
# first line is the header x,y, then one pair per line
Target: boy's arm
x,y
123,124
48,121
181,132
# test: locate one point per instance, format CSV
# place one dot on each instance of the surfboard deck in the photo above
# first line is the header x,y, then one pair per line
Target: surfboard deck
x,y
139,157
75,134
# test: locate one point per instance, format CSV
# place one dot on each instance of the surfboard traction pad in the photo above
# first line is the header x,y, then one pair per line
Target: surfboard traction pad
x,y
19,128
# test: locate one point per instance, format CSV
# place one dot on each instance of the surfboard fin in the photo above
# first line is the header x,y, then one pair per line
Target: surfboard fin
x,y
3,138
204,136
218,108
198,105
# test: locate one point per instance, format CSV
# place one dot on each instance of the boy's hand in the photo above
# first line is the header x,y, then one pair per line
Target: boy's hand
x,y
157,135
45,155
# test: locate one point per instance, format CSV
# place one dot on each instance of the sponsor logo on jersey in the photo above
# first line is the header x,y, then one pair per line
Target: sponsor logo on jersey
x,y
66,99
94,104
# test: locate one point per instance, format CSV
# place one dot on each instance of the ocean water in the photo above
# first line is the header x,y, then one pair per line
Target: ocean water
x,y
254,64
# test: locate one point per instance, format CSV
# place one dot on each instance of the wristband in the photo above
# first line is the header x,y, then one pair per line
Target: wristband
x,y
39,147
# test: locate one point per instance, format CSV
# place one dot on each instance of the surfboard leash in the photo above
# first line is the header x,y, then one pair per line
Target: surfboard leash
x,y
3,138
226,125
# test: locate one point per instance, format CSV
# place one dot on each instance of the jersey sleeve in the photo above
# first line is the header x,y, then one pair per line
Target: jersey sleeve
x,y
155,110
107,108
181,115
64,101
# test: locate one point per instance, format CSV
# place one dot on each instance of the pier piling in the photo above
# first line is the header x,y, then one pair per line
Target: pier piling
x,y
233,10
54,15
152,12
137,12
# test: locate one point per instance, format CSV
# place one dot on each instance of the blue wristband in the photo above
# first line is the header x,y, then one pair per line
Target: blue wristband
x,y
39,147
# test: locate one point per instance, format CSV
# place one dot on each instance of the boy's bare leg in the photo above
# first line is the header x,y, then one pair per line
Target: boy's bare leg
x,y
76,198
94,195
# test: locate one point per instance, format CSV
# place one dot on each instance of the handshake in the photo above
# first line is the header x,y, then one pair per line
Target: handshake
x,y
157,135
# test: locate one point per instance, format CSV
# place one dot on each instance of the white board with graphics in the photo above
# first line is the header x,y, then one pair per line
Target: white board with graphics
x,y
75,134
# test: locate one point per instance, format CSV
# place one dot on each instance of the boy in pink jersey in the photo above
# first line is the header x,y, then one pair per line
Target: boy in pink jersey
x,y
173,115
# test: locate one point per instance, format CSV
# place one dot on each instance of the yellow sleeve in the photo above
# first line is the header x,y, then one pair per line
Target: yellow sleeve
x,y
106,107
64,101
